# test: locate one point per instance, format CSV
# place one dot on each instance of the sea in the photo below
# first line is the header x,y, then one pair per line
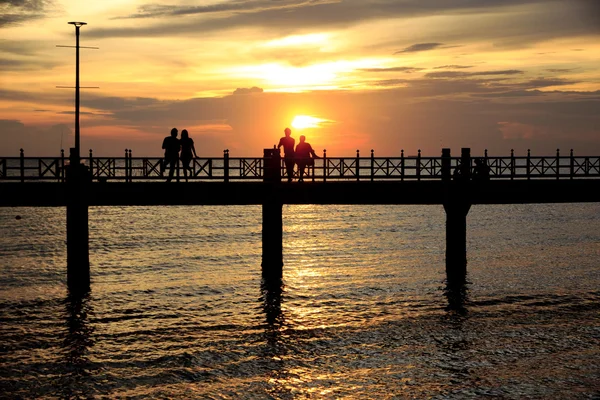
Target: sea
x,y
178,308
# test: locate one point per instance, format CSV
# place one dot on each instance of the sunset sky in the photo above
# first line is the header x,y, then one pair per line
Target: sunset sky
x,y
384,75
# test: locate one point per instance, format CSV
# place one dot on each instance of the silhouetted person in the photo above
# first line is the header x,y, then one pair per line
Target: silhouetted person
x,y
304,151
171,145
481,171
188,151
288,152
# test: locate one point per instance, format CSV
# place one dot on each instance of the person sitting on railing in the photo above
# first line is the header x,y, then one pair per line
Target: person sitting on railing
x,y
303,157
288,152
481,171
171,146
188,151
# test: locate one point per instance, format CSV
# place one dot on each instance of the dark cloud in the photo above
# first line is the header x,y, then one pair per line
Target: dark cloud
x,y
560,70
513,93
461,74
34,140
286,16
408,70
253,89
453,66
112,103
11,64
157,10
18,11
540,20
545,82
419,47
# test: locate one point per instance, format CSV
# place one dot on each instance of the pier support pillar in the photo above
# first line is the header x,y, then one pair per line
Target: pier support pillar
x,y
272,220
272,240
78,260
456,240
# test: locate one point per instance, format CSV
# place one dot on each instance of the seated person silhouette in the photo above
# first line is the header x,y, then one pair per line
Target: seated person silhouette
x,y
304,151
481,171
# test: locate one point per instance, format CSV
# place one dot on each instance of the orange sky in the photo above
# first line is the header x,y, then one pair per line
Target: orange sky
x,y
385,75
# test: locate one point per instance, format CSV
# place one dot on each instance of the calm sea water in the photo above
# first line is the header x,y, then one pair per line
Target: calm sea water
x,y
177,309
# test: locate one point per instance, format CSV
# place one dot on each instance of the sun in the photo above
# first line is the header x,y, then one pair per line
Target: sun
x,y
306,122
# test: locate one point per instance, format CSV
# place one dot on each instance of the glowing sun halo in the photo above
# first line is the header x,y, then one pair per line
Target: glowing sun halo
x,y
306,121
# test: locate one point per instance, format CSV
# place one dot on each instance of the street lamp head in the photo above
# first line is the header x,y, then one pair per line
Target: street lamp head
x,y
78,24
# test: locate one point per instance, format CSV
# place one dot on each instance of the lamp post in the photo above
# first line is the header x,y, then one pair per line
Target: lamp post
x,y
78,25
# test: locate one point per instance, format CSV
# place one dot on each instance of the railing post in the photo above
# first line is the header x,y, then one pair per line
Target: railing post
x,y
487,164
324,165
557,163
419,165
62,165
130,167
513,167
126,162
129,171
571,165
226,165
91,158
528,163
22,165
372,164
357,165
402,164
446,165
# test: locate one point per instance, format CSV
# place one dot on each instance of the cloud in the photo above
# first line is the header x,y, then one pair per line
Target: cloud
x,y
453,66
11,64
545,82
157,10
560,70
34,140
419,47
512,93
461,74
507,20
408,70
14,12
517,130
253,89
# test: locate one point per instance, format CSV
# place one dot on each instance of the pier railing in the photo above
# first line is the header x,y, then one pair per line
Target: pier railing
x,y
227,168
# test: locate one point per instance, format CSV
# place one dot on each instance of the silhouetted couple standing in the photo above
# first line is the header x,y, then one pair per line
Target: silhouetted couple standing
x,y
172,147
301,155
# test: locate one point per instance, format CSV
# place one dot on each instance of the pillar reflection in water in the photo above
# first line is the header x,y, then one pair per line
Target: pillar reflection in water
x,y
457,295
75,380
275,347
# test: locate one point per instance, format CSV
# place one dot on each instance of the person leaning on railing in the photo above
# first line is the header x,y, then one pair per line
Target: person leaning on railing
x,y
303,152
